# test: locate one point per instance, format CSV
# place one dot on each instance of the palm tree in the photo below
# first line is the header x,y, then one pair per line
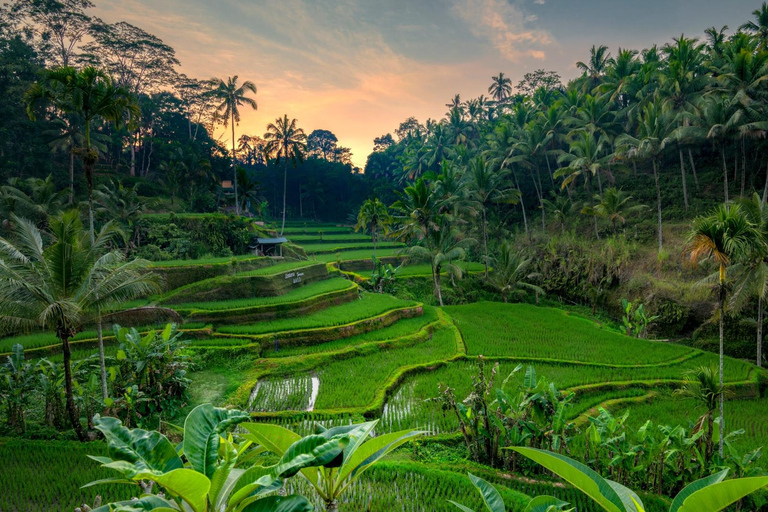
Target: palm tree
x,y
752,272
488,185
723,236
232,97
759,26
596,67
501,88
285,140
700,384
59,287
587,157
512,272
418,212
443,247
373,215
88,94
614,206
249,189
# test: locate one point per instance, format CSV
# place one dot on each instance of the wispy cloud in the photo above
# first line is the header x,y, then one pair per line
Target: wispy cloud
x,y
506,26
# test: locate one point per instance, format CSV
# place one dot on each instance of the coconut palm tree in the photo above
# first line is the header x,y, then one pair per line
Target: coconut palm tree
x,y
701,385
488,185
587,158
723,236
373,215
250,189
759,26
512,272
418,211
286,141
232,97
501,88
61,286
597,65
90,95
614,206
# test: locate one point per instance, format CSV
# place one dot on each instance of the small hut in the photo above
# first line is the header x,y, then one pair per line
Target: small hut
x,y
269,246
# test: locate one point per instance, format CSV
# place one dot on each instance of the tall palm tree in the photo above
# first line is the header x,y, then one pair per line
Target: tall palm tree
x,y
759,26
700,384
723,236
373,215
614,206
61,286
587,158
752,272
488,185
90,95
501,88
286,141
597,65
250,189
232,97
418,212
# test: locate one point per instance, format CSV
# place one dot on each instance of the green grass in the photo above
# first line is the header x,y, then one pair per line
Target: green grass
x,y
340,246
369,306
295,295
522,330
276,269
314,238
43,339
397,330
425,269
206,261
354,382
361,254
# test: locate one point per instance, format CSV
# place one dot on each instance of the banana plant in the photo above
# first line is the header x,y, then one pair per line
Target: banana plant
x,y
330,480
204,473
495,503
710,494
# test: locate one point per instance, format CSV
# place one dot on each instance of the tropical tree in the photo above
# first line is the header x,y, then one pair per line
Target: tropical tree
x,y
513,272
286,141
90,95
488,185
495,503
500,88
587,158
615,206
33,198
250,189
232,97
597,65
209,473
330,480
418,211
700,384
373,215
759,26
723,236
61,286
16,385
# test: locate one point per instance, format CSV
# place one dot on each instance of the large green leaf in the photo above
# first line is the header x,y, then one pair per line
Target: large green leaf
x,y
491,497
629,498
292,503
145,503
545,504
696,486
373,450
578,475
717,496
141,449
277,440
256,486
187,484
309,451
202,429
460,506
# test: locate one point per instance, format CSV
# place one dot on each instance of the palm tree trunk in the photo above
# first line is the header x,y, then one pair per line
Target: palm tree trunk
x,y
485,242
102,364
765,187
693,168
743,165
301,203
234,165
599,183
685,185
438,292
760,331
549,168
722,394
597,233
285,189
522,203
74,416
71,175
658,199
725,176
373,238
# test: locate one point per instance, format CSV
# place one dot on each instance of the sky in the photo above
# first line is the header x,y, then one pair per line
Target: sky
x,y
360,67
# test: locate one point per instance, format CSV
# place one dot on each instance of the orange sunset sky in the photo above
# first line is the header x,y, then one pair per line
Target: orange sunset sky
x,y
360,67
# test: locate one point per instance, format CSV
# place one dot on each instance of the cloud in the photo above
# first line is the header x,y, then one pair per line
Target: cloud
x,y
505,25
539,2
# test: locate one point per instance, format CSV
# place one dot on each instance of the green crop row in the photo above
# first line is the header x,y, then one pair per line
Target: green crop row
x,y
223,260
370,305
328,248
522,330
397,330
314,238
358,254
425,269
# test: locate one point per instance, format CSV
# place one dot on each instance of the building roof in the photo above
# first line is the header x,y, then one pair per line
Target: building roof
x,y
279,240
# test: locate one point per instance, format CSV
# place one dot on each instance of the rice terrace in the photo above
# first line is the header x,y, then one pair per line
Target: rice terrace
x,y
547,294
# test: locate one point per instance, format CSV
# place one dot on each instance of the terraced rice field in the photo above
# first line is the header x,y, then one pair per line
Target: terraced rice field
x,y
370,305
332,247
